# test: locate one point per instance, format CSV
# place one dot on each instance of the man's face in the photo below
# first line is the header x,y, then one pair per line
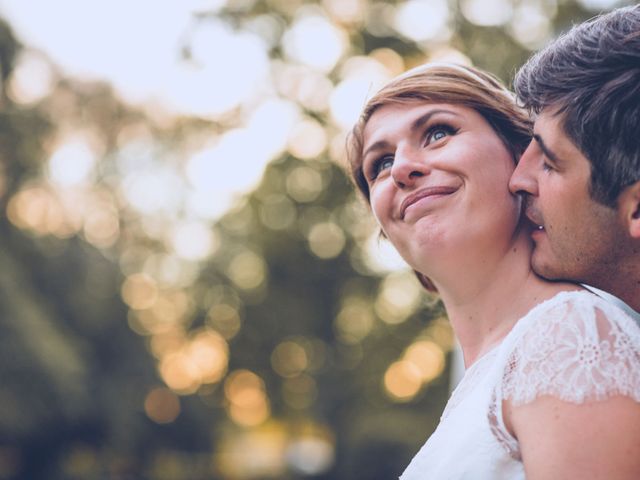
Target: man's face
x,y
575,237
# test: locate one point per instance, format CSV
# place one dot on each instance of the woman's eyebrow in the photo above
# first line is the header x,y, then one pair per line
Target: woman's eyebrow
x,y
420,121
416,125
379,145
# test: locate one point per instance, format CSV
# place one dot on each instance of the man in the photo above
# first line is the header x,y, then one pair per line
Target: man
x,y
581,173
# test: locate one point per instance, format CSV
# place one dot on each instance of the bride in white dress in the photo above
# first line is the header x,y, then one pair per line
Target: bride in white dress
x,y
552,382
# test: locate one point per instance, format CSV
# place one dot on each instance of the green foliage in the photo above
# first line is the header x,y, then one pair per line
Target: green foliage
x,y
297,327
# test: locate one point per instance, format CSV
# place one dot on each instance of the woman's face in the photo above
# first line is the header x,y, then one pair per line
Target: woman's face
x,y
438,176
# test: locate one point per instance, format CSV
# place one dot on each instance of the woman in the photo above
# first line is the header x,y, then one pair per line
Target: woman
x,y
552,382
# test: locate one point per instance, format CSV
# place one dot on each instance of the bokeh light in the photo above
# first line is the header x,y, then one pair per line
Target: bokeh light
x,y
304,184
254,453
140,291
32,78
381,256
308,139
194,211
486,12
304,85
72,163
39,210
361,78
355,320
399,296
225,319
277,211
247,270
326,240
310,455
314,41
209,353
530,25
154,190
102,227
289,359
345,11
428,357
402,380
213,44
161,405
236,161
179,373
193,240
186,364
248,404
422,19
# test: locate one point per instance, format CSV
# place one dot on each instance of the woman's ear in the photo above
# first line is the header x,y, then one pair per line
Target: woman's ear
x,y
629,206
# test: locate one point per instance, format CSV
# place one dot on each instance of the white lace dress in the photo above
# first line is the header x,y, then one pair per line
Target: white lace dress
x,y
574,346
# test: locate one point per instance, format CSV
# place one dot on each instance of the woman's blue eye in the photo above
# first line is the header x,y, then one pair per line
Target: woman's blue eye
x,y
383,163
438,132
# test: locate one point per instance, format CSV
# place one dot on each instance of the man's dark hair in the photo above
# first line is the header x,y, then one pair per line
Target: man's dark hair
x,y
591,77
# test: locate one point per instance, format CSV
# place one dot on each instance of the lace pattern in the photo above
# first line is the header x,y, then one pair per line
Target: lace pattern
x,y
579,349
575,347
499,431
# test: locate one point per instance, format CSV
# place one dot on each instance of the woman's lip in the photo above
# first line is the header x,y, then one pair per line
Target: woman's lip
x,y
422,193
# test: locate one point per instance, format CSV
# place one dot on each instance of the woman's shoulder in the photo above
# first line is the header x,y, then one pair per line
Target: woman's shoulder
x,y
578,301
572,385
574,346
577,309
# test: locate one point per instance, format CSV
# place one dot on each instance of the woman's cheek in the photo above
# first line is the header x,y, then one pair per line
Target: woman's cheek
x,y
376,206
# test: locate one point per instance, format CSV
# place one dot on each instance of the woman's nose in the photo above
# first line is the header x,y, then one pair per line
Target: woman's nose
x,y
407,167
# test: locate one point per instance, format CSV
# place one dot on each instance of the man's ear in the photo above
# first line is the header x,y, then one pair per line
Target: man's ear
x,y
629,206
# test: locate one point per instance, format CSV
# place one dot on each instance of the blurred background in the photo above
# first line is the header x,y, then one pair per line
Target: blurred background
x,y
189,286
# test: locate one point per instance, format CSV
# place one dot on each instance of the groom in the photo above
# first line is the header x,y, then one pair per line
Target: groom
x,y
580,175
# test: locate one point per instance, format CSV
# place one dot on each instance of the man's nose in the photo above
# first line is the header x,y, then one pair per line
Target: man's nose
x,y
523,179
408,167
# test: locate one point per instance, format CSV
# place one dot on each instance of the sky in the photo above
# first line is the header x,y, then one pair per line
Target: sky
x,y
136,46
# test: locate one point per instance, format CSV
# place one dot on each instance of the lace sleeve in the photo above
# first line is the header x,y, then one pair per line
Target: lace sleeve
x,y
577,350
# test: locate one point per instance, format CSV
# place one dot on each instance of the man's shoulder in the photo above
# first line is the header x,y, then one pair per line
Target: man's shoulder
x,y
615,301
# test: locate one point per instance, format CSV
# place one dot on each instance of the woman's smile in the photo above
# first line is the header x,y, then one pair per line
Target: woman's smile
x,y
424,199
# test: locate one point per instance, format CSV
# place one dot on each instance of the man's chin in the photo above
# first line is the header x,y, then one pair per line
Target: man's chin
x,y
544,268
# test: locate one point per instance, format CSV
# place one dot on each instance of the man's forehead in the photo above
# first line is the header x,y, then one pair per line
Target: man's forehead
x,y
549,122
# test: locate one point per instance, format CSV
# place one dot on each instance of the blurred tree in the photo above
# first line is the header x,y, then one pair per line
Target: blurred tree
x,y
146,335
73,373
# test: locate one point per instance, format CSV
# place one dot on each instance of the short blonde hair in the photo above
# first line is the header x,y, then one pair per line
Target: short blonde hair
x,y
445,83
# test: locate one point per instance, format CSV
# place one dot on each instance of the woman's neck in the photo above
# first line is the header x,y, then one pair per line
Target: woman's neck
x,y
484,304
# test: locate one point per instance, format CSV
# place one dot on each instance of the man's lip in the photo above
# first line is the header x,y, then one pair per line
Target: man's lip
x,y
535,223
422,193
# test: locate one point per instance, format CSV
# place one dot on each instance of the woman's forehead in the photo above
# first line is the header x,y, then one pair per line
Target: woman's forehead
x,y
413,116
